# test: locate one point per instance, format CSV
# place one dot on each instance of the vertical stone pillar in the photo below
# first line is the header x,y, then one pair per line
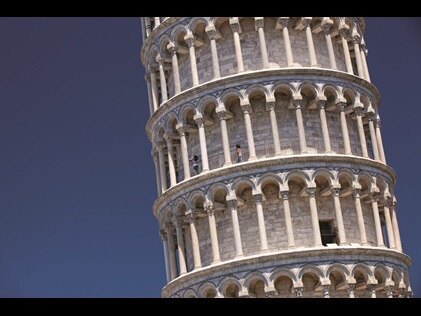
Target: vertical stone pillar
x,y
236,29
162,169
283,25
213,233
261,33
154,90
358,109
325,130
338,215
175,71
171,168
380,142
373,137
156,163
344,128
220,111
261,222
232,205
213,35
360,217
345,47
184,151
314,217
163,235
300,124
307,25
288,221
194,240
326,26
171,252
246,107
164,93
364,61
189,38
181,246
395,225
389,227
270,106
198,118
377,224
356,39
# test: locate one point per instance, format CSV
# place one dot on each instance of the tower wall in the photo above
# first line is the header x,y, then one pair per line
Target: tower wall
x,y
310,210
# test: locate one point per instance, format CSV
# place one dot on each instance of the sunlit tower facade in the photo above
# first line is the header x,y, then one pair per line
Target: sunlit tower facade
x,y
309,210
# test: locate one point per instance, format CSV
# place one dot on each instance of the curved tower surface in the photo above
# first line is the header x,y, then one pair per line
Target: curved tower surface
x,y
271,173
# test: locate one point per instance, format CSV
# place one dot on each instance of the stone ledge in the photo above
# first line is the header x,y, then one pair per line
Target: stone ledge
x,y
288,257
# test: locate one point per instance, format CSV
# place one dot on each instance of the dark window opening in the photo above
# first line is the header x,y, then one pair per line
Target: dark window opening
x,y
328,233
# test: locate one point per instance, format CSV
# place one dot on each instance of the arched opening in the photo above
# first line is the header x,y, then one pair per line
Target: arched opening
x,y
286,119
257,289
236,126
259,119
338,285
284,287
231,291
311,285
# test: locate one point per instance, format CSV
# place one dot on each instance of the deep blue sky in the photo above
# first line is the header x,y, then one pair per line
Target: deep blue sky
x,y
77,181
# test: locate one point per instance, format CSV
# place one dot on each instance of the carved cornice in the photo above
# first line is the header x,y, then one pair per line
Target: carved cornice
x,y
265,77
274,164
294,258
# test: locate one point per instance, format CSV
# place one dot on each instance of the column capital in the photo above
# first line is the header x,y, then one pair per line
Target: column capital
x,y
180,129
322,104
341,105
232,203
171,48
198,118
284,195
335,190
168,137
221,112
343,31
190,214
270,105
235,25
303,23
163,234
258,197
326,25
259,22
212,33
299,103
282,22
209,209
311,191
245,105
159,60
189,38
298,291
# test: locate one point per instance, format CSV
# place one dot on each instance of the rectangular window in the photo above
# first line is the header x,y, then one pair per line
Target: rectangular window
x,y
328,233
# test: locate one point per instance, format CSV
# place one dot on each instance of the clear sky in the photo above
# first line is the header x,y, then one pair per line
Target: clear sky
x,y
77,180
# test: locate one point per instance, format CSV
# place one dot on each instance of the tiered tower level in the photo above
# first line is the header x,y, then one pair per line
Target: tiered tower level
x,y
311,210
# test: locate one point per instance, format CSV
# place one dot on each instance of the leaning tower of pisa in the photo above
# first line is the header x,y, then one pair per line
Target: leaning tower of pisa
x,y
310,209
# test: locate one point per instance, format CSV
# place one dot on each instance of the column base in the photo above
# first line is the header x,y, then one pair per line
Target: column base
x,y
251,158
227,164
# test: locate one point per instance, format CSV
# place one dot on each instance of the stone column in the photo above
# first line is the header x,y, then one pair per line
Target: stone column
x,y
164,93
232,205
373,138
364,61
326,26
351,290
283,25
263,50
307,25
314,217
389,291
380,142
189,38
345,47
171,252
184,151
270,106
156,163
298,291
147,20
344,128
236,29
213,233
396,228
154,90
288,221
148,87
173,179
198,118
300,125
361,134
246,107
389,227
194,240
360,217
326,291
325,130
175,71
157,21
261,222
372,289
377,224
163,235
162,169
338,215
356,39
181,247
220,111
213,35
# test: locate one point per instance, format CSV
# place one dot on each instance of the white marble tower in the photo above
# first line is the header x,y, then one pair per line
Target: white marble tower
x,y
310,210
